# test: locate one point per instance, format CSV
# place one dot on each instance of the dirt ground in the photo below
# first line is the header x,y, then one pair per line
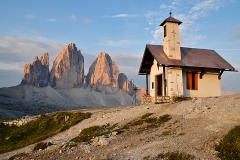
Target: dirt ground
x,y
196,126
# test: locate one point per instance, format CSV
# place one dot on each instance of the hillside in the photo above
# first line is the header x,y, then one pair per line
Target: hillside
x,y
192,127
26,100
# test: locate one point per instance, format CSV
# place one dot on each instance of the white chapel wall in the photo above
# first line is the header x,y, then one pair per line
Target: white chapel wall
x,y
155,70
208,86
174,82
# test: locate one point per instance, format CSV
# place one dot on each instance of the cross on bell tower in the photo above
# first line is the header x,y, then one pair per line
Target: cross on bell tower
x,y
171,39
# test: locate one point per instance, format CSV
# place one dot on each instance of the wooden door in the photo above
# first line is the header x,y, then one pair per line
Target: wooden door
x,y
159,85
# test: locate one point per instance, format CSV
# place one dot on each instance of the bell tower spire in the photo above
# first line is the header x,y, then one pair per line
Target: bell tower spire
x,y
171,39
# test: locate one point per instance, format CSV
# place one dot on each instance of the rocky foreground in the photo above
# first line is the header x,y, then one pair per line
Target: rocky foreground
x,y
195,127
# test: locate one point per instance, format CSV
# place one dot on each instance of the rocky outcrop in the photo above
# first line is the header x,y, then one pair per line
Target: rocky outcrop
x,y
68,72
37,73
103,72
68,69
124,83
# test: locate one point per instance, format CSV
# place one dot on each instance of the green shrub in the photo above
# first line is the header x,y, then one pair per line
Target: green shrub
x,y
146,115
18,155
151,122
42,146
94,131
229,146
175,156
13,137
178,98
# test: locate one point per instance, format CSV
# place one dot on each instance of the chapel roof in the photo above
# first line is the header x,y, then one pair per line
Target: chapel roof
x,y
190,58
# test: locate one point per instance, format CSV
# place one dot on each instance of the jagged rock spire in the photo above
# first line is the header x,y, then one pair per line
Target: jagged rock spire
x,y
103,71
37,73
68,68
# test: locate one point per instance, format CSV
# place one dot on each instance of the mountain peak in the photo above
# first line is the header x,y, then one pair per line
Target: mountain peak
x,y
37,72
103,71
68,68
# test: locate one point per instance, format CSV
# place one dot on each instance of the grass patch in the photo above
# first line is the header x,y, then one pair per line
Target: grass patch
x,y
181,134
150,122
13,137
159,102
18,155
146,115
178,98
166,133
88,134
229,146
175,156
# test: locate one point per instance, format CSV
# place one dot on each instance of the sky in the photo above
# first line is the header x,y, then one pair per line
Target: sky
x,y
121,28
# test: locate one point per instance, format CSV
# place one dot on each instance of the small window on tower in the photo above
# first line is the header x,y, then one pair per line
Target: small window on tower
x,y
165,31
152,85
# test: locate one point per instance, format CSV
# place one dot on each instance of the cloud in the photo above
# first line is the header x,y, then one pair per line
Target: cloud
x,y
88,60
121,16
30,16
158,33
230,80
191,20
234,32
191,40
52,20
10,78
72,17
150,14
230,49
149,17
39,35
87,21
25,50
205,5
119,43
15,52
163,6
201,9
11,65
208,5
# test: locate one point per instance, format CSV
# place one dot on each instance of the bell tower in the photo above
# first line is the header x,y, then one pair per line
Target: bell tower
x,y
171,37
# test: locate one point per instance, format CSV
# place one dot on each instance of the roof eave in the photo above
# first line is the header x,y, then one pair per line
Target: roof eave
x,y
224,69
139,71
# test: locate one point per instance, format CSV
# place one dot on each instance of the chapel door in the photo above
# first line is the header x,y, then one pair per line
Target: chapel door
x,y
159,85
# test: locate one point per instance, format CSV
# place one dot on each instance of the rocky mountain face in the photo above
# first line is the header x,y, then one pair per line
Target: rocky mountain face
x,y
68,72
68,69
37,72
103,72
125,84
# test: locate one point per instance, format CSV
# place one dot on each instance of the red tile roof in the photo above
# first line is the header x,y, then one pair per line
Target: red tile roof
x,y
190,58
